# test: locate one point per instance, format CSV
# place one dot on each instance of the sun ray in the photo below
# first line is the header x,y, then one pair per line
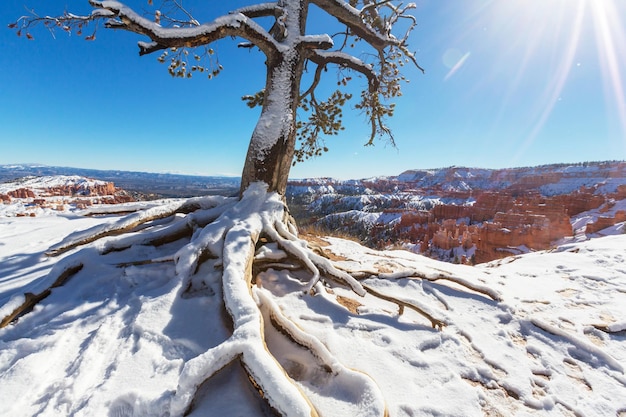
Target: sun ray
x,y
610,37
557,85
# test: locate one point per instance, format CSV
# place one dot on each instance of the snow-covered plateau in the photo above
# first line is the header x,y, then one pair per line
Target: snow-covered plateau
x,y
541,334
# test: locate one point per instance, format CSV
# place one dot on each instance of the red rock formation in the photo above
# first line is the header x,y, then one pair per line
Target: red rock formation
x,y
81,195
605,221
444,239
620,194
416,218
22,193
530,182
451,211
578,202
530,220
488,204
82,189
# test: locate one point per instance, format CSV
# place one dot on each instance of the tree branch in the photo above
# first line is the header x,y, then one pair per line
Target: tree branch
x,y
236,24
322,58
353,19
259,10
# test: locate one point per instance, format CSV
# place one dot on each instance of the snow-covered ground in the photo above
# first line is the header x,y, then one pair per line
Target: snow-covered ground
x,y
114,340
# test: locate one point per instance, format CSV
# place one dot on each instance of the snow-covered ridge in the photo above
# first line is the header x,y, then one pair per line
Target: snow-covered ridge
x,y
45,195
43,184
549,180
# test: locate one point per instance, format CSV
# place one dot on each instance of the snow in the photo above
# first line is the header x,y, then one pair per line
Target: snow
x,y
46,182
126,339
580,221
602,177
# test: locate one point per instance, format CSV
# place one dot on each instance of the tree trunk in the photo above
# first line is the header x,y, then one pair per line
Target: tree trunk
x,y
271,148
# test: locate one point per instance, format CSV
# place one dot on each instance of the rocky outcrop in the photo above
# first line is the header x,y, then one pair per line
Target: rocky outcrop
x,y
604,222
451,211
500,222
488,213
489,203
512,230
22,193
63,193
533,182
81,189
580,201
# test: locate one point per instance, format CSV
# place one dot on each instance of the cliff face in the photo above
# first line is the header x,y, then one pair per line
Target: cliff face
x,y
81,189
500,222
478,214
22,193
605,221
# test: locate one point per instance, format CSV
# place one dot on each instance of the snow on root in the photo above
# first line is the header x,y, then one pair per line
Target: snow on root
x,y
331,386
155,318
131,221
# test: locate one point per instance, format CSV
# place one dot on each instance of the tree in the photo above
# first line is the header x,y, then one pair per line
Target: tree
x,y
289,51
238,237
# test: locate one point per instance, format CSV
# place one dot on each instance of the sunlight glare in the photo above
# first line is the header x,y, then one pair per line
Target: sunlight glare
x,y
554,92
611,37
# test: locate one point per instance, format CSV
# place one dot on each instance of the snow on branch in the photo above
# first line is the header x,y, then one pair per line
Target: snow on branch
x,y
259,10
323,58
236,24
353,18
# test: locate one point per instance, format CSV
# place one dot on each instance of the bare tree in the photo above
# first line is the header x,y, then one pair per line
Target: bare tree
x,y
238,237
289,51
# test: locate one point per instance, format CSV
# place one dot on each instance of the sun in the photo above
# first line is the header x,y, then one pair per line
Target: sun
x,y
542,43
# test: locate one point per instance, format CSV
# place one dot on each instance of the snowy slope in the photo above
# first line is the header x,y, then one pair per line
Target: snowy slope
x,y
113,340
46,182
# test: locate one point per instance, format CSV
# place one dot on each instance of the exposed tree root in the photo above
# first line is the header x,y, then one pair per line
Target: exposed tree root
x,y
30,299
240,238
482,289
133,221
234,239
435,322
620,330
579,345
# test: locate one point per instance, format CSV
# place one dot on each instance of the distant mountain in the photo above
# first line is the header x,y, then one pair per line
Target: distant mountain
x,y
547,180
162,185
458,214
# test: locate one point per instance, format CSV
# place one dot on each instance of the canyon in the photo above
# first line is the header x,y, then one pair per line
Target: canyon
x,y
468,215
32,196
455,214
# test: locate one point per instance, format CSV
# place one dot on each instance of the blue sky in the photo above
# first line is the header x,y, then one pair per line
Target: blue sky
x,y
508,83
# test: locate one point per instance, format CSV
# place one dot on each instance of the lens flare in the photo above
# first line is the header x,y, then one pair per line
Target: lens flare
x,y
454,60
